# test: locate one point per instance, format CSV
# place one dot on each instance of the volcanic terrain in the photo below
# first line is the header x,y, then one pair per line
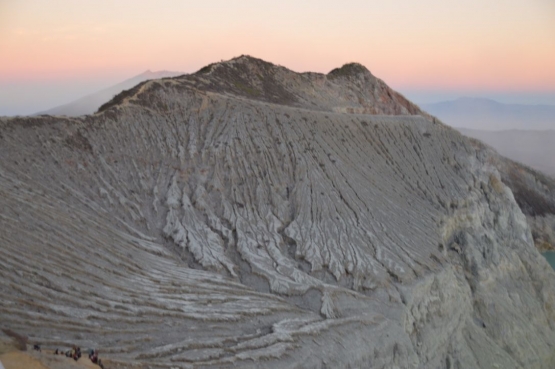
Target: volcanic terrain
x,y
250,216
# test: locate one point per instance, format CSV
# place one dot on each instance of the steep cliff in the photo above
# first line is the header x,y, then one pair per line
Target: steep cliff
x,y
249,216
535,194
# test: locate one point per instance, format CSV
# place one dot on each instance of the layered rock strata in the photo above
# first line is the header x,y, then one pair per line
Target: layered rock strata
x,y
250,216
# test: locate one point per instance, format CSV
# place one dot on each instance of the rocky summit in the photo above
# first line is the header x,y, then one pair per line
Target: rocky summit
x,y
248,216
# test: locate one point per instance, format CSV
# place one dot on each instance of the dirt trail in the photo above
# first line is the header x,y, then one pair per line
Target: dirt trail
x,y
43,360
18,359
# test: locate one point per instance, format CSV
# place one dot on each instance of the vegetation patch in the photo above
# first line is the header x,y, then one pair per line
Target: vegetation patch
x,y
349,69
119,98
206,69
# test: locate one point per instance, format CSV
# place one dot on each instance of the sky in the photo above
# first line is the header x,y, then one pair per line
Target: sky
x,y
56,51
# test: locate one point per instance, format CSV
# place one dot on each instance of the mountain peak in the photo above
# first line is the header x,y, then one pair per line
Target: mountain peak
x,y
349,70
149,74
477,100
244,58
348,89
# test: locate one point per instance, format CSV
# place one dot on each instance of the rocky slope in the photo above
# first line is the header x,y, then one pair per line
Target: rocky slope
x,y
534,191
249,216
535,194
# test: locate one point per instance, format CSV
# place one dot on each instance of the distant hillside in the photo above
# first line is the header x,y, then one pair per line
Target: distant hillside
x,y
485,114
89,104
533,148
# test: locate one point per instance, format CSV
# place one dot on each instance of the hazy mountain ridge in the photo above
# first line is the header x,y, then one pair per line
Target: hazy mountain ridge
x,y
350,89
486,114
90,103
226,219
533,148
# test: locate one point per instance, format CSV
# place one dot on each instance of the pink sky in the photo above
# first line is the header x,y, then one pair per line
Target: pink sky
x,y
473,45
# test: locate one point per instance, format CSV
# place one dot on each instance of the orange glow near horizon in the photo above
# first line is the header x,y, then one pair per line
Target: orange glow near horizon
x,y
508,46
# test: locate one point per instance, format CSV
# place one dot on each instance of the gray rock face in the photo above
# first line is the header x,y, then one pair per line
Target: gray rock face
x,y
209,221
534,191
535,194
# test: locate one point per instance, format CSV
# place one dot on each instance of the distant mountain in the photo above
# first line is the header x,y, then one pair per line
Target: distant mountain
x,y
533,148
485,114
89,104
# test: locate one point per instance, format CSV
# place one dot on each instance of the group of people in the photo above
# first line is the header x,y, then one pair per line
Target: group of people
x,y
75,354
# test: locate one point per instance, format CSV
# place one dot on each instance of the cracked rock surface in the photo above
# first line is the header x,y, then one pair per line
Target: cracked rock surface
x,y
250,216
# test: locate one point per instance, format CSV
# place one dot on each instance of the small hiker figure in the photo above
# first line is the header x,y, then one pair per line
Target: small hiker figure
x,y
94,357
